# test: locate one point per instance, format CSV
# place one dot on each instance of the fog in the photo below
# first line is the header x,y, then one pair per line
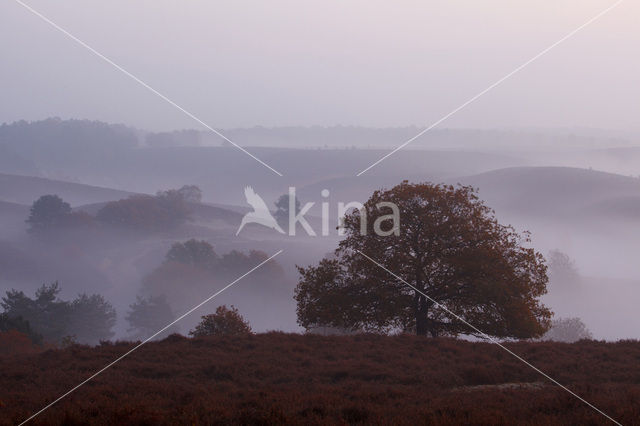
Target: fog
x,y
589,214
288,63
319,91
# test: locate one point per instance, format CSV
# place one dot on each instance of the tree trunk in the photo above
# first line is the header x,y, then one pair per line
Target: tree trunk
x,y
421,309
421,312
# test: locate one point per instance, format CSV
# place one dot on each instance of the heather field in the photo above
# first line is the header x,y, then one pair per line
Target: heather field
x,y
307,379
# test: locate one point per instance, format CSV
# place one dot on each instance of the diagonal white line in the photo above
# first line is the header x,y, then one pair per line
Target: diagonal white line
x,y
492,340
506,77
149,338
133,77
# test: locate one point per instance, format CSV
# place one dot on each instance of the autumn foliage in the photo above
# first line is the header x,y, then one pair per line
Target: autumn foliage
x,y
164,211
50,212
225,321
458,262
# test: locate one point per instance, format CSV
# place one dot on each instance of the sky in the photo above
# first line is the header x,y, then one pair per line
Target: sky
x,y
292,63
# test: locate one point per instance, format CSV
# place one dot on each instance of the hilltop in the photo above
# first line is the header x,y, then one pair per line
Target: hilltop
x,y
26,189
557,192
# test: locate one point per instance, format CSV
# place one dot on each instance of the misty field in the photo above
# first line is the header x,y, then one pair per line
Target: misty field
x,y
309,379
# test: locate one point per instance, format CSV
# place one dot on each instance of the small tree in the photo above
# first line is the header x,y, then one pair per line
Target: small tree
x,y
193,252
562,269
282,209
47,212
223,321
46,314
92,319
88,317
191,193
174,204
149,315
567,330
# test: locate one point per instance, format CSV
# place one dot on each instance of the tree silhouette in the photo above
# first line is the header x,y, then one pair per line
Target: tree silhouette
x,y
149,315
567,330
89,318
166,210
47,314
191,193
92,319
223,321
449,247
47,212
563,271
282,209
193,252
19,325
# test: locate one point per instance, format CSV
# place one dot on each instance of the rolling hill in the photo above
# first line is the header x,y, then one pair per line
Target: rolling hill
x,y
556,191
26,189
12,217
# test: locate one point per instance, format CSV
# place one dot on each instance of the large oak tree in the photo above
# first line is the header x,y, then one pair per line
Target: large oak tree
x,y
450,247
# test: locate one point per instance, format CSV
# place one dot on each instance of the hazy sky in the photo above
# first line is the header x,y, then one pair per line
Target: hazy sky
x,y
370,63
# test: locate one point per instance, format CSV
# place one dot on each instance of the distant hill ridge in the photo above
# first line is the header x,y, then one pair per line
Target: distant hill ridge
x,y
26,189
554,190
17,193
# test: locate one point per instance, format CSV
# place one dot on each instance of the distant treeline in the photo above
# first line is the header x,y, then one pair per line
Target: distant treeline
x,y
164,211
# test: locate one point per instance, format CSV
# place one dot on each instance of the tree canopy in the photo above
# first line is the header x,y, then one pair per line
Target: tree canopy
x,y
282,209
192,268
166,210
149,315
193,252
19,325
92,318
50,213
449,247
191,193
567,330
562,270
223,322
88,319
47,211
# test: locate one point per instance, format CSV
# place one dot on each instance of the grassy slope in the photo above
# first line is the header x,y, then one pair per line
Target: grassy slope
x,y
556,191
295,379
26,189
